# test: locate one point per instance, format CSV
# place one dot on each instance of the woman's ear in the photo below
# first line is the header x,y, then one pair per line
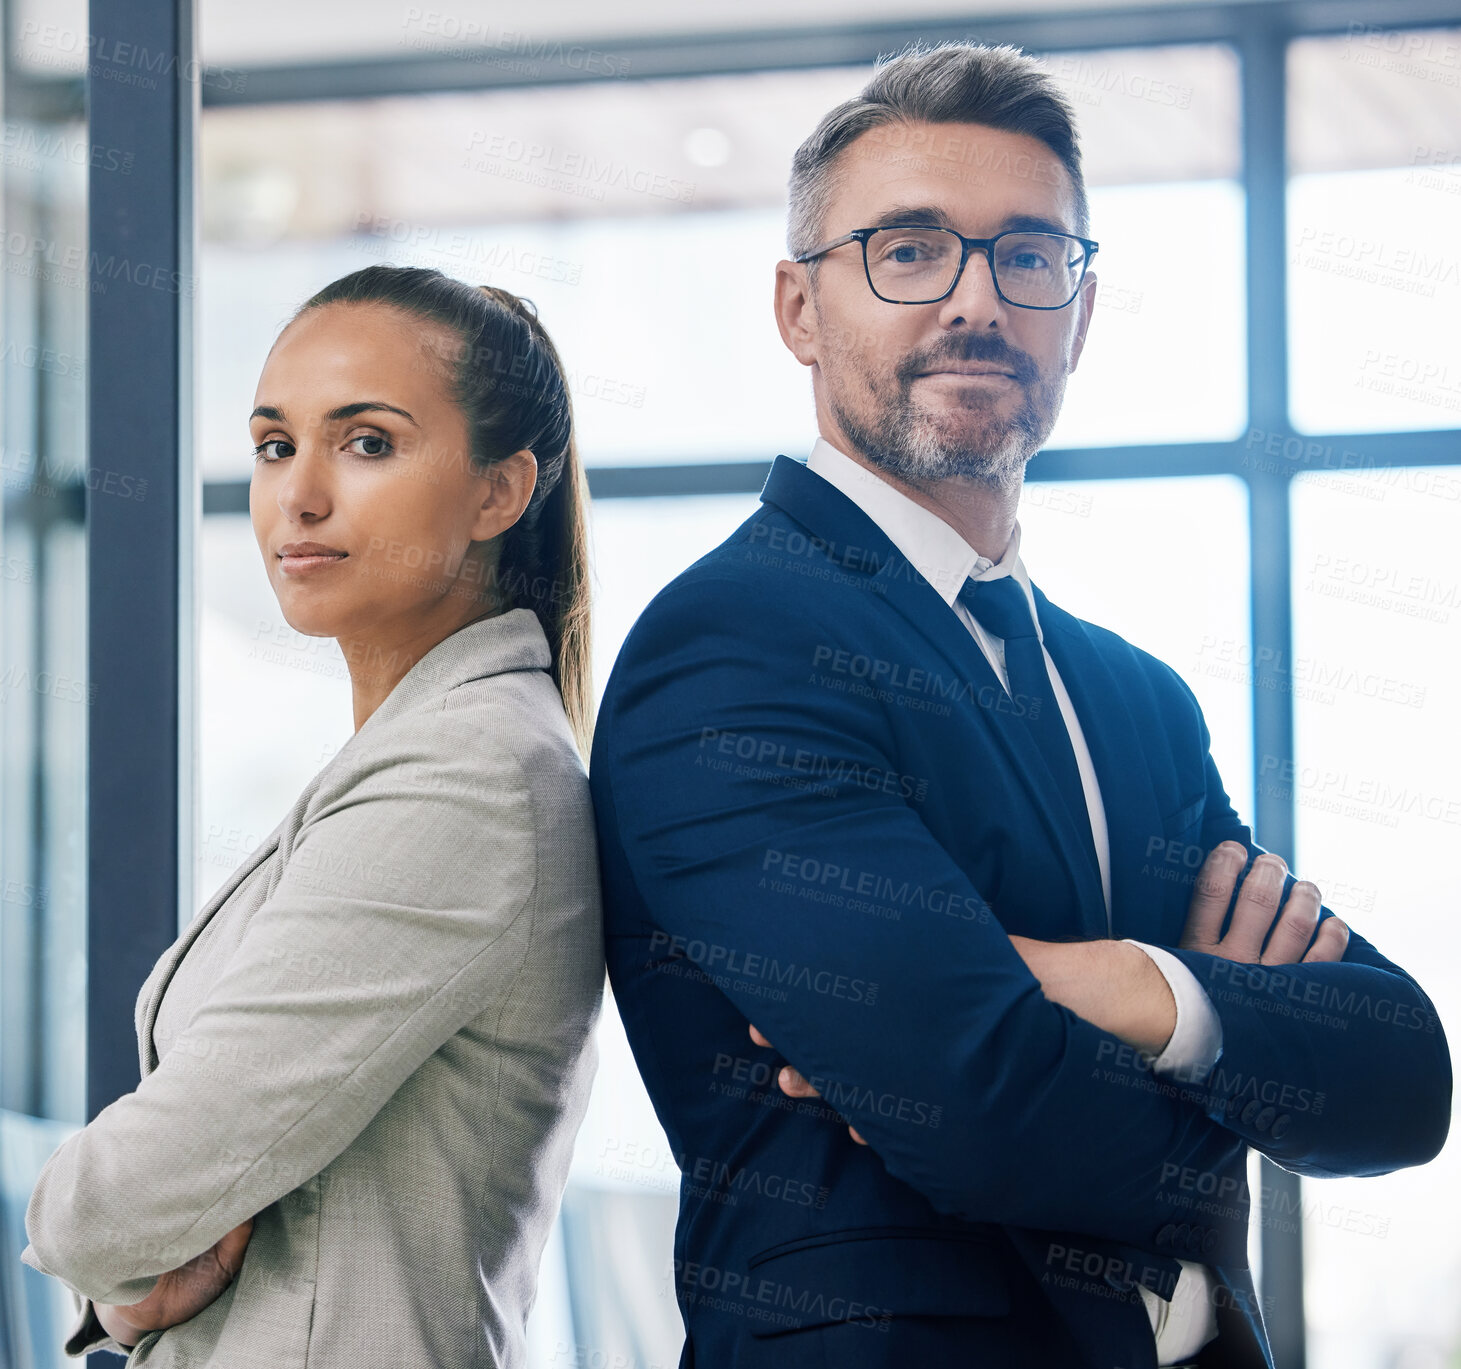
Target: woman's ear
x,y
507,487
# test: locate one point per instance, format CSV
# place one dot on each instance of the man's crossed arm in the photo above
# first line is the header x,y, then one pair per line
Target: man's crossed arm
x,y
1117,987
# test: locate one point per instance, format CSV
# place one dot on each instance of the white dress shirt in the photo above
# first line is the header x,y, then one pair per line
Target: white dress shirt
x,y
932,546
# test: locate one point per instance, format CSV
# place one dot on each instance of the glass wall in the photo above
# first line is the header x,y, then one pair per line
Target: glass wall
x,y
644,218
1377,625
45,154
1374,295
643,214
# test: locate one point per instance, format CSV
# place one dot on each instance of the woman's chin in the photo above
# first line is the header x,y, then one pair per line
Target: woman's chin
x,y
310,622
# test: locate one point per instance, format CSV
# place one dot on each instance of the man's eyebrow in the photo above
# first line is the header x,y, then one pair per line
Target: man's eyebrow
x,y
1034,223
921,216
927,216
336,415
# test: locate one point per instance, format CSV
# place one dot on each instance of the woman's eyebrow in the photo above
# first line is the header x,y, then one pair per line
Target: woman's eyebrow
x,y
344,411
365,406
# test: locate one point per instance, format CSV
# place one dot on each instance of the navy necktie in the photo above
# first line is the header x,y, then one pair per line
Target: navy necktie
x,y
1000,606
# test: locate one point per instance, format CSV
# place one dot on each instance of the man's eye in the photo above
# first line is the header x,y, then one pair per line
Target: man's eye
x,y
1027,261
263,451
906,251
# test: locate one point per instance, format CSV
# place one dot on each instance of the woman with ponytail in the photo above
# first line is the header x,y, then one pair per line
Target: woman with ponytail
x,y
366,1058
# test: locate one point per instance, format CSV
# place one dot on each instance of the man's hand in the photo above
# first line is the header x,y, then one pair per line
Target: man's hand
x,y
1253,936
794,1085
180,1294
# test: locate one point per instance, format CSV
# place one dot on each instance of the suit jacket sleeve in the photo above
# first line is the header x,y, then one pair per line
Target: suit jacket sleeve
x,y
1337,1068
377,945
763,818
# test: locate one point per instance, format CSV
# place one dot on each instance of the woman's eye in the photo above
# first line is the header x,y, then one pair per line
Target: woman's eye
x,y
370,444
263,451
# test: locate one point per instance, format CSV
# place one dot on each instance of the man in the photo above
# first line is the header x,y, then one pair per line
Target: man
x,y
880,823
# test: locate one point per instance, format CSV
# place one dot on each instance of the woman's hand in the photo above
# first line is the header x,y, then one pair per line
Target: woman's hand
x,y
180,1294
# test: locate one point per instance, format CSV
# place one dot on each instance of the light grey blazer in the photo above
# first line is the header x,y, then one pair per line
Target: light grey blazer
x,y
374,1040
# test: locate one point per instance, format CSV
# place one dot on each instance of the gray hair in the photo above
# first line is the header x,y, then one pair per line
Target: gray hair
x,y
951,83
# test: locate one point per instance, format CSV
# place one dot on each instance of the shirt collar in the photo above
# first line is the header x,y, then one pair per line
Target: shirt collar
x,y
931,546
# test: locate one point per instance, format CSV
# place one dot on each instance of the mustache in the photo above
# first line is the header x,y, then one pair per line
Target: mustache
x,y
971,347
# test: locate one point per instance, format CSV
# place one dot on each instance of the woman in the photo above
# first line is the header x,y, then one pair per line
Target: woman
x,y
366,1058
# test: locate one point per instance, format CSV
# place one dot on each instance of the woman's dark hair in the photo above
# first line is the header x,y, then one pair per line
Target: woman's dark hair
x,y
509,382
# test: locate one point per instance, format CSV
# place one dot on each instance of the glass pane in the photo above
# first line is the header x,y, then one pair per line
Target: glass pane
x,y
1376,616
1164,358
568,194
639,546
1374,226
1160,144
44,688
1183,596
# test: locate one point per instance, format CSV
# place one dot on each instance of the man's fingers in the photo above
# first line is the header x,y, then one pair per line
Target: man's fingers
x,y
1295,927
1253,912
1331,941
794,1085
1211,894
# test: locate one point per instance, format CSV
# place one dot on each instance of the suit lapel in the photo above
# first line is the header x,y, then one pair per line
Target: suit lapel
x,y
857,543
1133,818
512,640
157,982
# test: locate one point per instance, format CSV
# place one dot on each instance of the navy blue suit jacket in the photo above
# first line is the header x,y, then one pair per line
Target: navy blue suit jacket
x,y
820,812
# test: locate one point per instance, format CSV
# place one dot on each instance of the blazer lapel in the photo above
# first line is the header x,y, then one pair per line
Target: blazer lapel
x,y
858,544
1133,817
158,980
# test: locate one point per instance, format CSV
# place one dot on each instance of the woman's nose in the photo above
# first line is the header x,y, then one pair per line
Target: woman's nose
x,y
304,491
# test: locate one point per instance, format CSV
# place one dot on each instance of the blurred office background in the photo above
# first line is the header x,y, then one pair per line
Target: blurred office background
x,y
1257,477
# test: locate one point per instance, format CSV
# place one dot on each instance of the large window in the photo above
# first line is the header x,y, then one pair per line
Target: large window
x,y
1254,477
643,217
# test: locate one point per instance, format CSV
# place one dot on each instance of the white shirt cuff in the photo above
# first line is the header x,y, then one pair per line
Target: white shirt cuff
x,y
1197,1039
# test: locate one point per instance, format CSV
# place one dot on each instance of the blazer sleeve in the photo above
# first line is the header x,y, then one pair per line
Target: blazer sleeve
x,y
762,816
386,933
1328,1068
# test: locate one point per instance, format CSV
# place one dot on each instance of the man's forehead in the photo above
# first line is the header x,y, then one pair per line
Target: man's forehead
x,y
958,156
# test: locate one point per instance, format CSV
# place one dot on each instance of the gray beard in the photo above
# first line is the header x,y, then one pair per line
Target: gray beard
x,y
911,444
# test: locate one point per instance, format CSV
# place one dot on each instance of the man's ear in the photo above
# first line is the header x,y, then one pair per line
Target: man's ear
x,y
1085,304
796,311
508,487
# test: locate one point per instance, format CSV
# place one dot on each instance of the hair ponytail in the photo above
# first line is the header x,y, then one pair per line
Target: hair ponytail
x,y
509,381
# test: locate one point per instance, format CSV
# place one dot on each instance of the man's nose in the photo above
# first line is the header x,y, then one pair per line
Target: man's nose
x,y
974,303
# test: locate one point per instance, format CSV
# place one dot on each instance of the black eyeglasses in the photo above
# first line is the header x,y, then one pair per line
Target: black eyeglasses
x,y
917,264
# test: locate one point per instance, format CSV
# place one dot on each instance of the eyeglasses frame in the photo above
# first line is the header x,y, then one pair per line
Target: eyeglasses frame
x,y
861,235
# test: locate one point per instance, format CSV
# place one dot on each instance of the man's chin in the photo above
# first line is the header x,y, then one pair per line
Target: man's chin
x,y
974,448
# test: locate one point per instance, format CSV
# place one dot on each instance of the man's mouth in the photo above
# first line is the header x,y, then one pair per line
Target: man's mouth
x,y
970,372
